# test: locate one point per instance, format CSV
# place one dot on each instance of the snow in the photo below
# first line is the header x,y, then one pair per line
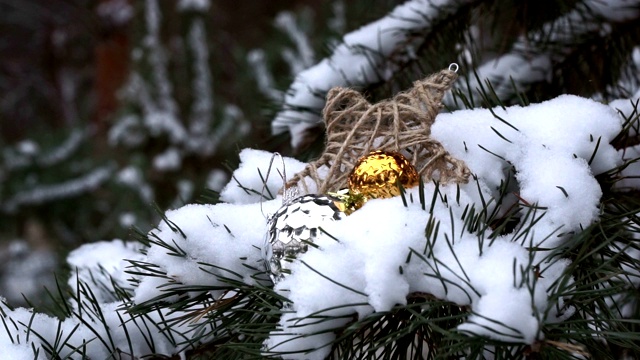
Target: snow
x,y
626,106
217,179
550,150
219,235
305,56
127,219
374,52
117,11
96,264
263,77
133,178
630,175
28,152
338,23
370,261
99,263
247,187
528,62
194,5
64,150
202,90
45,193
17,352
169,160
28,147
540,151
298,58
373,259
197,133
128,334
362,58
25,269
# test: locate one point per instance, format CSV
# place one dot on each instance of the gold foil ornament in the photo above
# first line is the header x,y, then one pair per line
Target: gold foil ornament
x,y
378,175
346,201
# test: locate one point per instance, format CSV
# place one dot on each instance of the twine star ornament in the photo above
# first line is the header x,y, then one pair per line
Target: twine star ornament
x,y
403,123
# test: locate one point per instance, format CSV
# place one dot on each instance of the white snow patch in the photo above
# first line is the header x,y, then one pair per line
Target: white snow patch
x,y
194,5
246,184
99,263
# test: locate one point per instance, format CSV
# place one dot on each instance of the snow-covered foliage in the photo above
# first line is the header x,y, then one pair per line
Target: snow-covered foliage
x,y
29,154
117,11
195,5
47,193
368,55
100,271
25,269
532,56
376,52
534,164
200,134
100,332
98,324
480,270
499,249
301,56
358,273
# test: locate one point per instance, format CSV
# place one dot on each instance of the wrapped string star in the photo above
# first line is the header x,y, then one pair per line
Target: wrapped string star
x,y
403,123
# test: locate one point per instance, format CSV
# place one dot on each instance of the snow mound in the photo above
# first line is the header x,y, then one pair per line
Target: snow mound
x,y
537,163
547,152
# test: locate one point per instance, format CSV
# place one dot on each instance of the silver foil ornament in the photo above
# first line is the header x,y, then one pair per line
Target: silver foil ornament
x,y
293,227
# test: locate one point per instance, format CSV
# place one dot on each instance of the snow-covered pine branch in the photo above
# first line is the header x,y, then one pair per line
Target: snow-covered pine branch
x,y
535,165
301,57
28,152
263,78
304,56
201,133
368,55
201,116
46,193
194,5
533,56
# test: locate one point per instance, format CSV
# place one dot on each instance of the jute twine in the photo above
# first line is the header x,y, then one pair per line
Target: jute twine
x,y
403,124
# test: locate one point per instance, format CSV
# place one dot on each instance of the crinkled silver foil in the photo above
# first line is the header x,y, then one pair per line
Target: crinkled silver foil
x,y
292,228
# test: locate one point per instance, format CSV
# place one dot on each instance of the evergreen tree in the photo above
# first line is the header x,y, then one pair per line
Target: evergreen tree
x,y
550,209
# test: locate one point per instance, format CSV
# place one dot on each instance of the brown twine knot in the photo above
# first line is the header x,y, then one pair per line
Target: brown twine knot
x,y
402,124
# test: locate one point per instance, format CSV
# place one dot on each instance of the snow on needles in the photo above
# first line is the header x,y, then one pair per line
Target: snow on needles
x,y
552,156
362,58
529,62
96,330
387,250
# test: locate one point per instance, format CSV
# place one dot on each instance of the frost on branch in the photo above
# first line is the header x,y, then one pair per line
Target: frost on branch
x,y
46,193
299,58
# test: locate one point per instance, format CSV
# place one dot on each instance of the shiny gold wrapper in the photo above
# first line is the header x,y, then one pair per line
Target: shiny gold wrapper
x,y
346,201
378,174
